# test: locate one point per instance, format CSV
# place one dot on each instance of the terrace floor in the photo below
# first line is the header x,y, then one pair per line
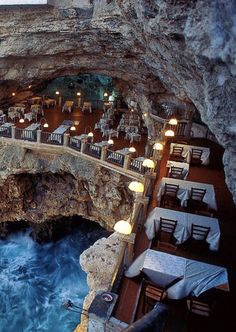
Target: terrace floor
x,y
180,320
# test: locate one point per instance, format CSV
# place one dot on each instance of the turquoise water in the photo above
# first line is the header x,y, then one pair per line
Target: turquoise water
x,y
36,280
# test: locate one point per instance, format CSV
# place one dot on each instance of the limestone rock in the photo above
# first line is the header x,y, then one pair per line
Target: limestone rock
x,y
180,49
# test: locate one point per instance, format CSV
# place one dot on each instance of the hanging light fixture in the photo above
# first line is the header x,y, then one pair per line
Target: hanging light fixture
x,y
158,146
123,227
148,163
173,122
136,186
169,133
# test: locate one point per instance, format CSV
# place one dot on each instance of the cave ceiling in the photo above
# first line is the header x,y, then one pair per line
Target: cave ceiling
x,y
185,49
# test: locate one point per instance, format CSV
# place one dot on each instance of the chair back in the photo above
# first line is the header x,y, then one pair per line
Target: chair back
x,y
197,194
152,294
199,232
196,154
177,151
176,172
167,225
198,307
171,190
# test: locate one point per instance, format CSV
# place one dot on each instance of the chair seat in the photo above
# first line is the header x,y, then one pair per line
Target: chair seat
x,y
195,205
169,201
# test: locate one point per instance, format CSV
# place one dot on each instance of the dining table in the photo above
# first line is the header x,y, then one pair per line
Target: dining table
x,y
184,191
30,132
179,276
57,134
187,152
184,223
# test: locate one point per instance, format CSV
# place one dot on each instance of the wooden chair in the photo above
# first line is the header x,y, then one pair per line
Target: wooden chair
x,y
195,203
152,295
197,240
176,154
165,235
198,307
176,172
196,155
169,198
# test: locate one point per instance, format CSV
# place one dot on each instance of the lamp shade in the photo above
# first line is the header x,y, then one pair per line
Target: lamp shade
x,y
72,128
137,187
158,146
105,94
90,134
123,227
148,163
78,94
57,92
173,122
21,120
169,133
45,125
132,149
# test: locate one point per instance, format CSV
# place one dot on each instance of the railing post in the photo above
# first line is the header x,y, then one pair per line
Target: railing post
x,y
127,161
104,153
66,139
13,132
83,146
39,132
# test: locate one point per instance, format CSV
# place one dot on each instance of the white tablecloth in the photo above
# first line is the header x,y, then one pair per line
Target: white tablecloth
x,y
184,223
30,131
57,134
124,151
6,127
185,189
192,277
185,166
187,149
102,143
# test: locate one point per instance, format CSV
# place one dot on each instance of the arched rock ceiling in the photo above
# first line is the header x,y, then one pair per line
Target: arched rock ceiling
x,y
183,48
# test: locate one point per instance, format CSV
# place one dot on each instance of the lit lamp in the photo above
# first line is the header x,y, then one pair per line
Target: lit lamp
x,y
149,164
132,149
72,128
13,94
123,227
136,186
79,98
21,120
57,93
169,133
173,122
105,94
45,124
110,141
157,147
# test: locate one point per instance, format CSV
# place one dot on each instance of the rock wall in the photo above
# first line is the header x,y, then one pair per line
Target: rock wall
x,y
38,187
181,48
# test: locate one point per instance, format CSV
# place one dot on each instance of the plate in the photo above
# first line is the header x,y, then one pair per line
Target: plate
x,y
107,297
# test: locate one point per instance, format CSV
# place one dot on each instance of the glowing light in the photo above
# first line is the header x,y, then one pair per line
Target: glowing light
x,y
78,94
13,94
148,163
169,133
21,120
90,134
57,93
137,187
110,141
123,227
158,146
132,149
105,94
72,128
173,122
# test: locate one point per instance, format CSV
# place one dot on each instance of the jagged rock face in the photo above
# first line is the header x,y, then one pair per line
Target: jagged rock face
x,y
38,187
181,48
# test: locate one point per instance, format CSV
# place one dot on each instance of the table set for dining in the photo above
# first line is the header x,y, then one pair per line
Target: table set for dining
x,y
187,151
179,276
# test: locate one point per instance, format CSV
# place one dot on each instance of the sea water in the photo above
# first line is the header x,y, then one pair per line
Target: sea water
x,y
37,280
